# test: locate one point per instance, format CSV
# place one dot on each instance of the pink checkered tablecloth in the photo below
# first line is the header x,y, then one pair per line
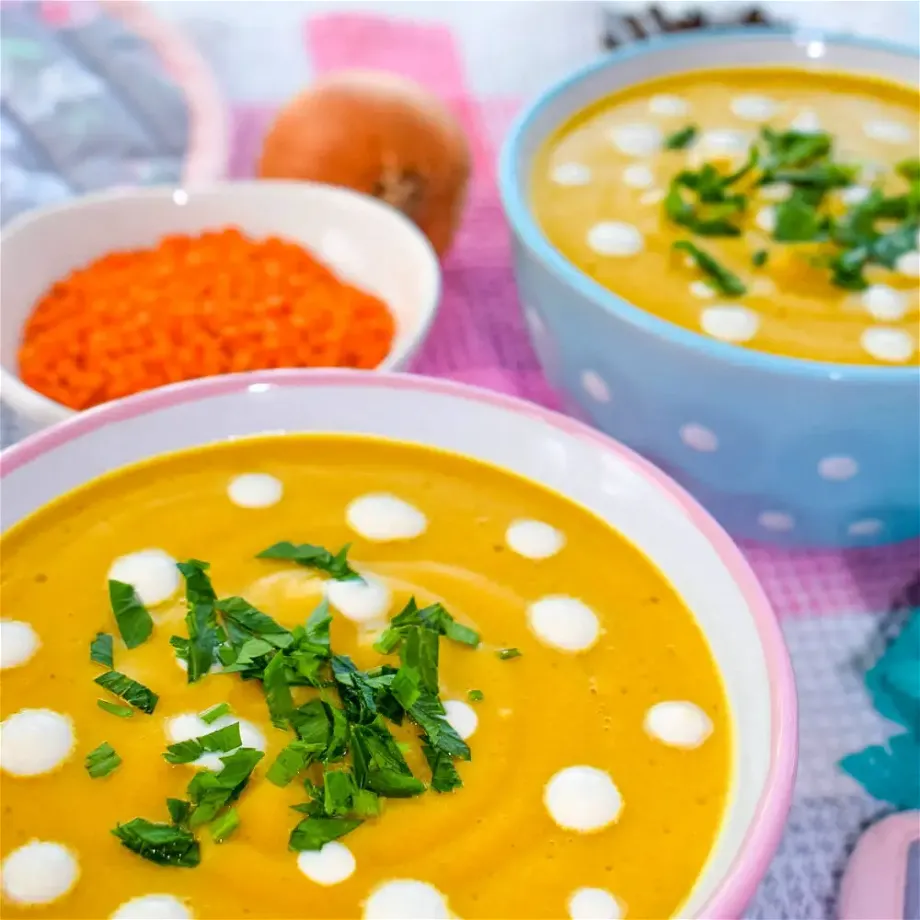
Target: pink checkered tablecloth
x,y
832,605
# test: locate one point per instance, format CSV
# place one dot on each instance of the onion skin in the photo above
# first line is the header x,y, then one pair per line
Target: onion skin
x,y
379,134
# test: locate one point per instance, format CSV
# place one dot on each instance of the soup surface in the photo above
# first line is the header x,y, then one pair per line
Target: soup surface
x,y
567,650
777,209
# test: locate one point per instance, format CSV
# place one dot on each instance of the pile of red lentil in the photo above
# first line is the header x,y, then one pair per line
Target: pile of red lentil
x,y
193,306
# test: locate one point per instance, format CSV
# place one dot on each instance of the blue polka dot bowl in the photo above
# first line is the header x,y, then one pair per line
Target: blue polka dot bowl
x,y
789,451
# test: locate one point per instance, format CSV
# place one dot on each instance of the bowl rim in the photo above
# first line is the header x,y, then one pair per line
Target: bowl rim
x,y
526,228
737,886
24,399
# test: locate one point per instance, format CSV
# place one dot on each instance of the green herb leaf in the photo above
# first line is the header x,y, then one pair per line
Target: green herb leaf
x,y
444,775
705,219
356,693
224,739
797,221
311,722
847,269
793,148
133,693
909,169
133,619
723,280
164,844
889,247
123,712
428,714
101,761
214,713
290,761
682,138
210,792
316,630
314,833
179,810
405,686
339,788
475,696
225,825
312,557
506,654
379,763
102,651
759,258
419,653
278,692
205,634
254,623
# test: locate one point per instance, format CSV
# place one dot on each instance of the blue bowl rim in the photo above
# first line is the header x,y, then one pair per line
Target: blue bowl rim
x,y
526,228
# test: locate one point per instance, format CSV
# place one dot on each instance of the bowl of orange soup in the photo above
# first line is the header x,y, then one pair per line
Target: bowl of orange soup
x,y
334,644
716,247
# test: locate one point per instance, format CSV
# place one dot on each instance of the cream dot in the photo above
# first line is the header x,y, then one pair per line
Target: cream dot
x,y
854,194
406,899
701,290
678,723
594,385
908,264
867,527
668,105
34,741
894,346
330,865
837,468
39,873
637,140
255,490
775,191
152,573
888,132
594,904
571,174
652,196
754,107
462,717
730,323
18,643
563,623
724,143
362,600
806,122
765,219
383,518
638,175
614,238
698,437
582,799
884,303
763,287
777,521
153,907
189,725
534,539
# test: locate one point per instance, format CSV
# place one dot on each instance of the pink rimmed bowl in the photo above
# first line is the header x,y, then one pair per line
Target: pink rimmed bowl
x,y
635,498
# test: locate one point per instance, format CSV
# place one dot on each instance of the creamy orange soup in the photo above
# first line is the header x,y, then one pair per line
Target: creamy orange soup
x,y
577,730
808,251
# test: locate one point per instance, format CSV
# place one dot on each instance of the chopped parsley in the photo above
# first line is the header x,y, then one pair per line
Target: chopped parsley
x,y
132,618
313,557
116,709
721,278
214,713
210,792
681,138
290,761
204,632
179,810
222,827
102,650
798,220
133,693
759,259
475,696
101,761
164,844
315,833
222,740
506,654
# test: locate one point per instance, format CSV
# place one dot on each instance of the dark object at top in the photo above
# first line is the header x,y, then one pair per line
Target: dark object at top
x,y
622,29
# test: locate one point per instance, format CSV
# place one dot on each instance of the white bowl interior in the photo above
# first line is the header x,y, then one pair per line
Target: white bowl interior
x,y
365,242
581,469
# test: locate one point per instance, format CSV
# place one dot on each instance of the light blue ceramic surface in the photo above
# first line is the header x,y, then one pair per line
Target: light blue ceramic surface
x,y
794,452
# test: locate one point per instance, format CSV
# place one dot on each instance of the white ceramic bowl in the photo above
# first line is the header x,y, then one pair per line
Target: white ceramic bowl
x,y
362,240
690,549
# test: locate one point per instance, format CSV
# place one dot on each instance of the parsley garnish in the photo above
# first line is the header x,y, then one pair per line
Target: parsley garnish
x,y
225,825
165,844
759,259
102,651
101,761
222,740
506,654
313,557
290,761
123,712
315,833
797,220
133,693
210,792
204,632
214,713
444,775
475,696
682,138
132,618
179,810
722,279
